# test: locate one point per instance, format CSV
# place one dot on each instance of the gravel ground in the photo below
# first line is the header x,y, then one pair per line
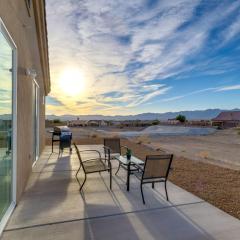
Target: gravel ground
x,y
217,185
221,148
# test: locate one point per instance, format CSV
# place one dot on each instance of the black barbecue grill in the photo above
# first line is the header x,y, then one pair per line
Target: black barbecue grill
x,y
63,135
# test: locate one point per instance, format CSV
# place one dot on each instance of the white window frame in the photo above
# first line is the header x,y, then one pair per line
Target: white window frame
x,y
37,102
10,41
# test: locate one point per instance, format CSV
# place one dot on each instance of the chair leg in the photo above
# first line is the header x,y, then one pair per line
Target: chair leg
x,y
83,183
78,171
142,194
52,145
165,184
110,171
152,184
118,168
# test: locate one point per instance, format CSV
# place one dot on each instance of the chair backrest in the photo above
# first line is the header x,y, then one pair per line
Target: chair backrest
x,y
157,166
113,144
79,156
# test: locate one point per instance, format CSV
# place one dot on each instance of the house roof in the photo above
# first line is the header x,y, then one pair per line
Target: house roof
x,y
78,121
228,116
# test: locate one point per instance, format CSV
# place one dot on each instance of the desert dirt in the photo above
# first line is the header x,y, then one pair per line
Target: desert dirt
x,y
221,148
206,166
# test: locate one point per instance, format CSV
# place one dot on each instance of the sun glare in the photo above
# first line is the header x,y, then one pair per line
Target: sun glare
x,y
72,82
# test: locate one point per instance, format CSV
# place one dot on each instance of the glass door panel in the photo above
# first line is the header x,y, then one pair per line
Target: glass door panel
x,y
6,105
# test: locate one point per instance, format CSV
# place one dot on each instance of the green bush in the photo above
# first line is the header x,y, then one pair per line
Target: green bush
x,y
238,130
155,122
181,118
56,121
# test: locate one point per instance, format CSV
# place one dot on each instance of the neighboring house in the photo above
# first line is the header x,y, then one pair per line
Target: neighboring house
x,y
77,123
83,123
127,123
94,123
24,83
104,123
202,123
145,123
227,119
116,123
173,121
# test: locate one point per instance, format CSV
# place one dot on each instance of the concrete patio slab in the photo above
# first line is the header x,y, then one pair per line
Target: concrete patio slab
x,y
53,208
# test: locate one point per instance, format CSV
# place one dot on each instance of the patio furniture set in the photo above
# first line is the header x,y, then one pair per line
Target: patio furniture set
x,y
154,169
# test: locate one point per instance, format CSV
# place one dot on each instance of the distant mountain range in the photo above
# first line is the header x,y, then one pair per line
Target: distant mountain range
x,y
190,115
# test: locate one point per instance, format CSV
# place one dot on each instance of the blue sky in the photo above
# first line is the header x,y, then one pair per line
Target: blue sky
x,y
127,57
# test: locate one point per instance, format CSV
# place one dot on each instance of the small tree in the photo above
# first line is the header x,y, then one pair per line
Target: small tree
x,y
155,122
56,121
181,118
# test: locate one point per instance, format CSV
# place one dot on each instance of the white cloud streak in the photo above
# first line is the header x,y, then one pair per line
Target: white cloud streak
x,y
129,47
213,89
228,88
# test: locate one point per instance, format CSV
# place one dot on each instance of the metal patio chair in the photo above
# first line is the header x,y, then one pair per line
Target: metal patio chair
x,y
155,169
113,145
92,165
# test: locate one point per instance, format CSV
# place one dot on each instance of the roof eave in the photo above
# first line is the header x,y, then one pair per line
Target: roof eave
x,y
41,28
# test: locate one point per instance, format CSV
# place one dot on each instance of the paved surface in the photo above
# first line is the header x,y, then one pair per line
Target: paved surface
x,y
53,208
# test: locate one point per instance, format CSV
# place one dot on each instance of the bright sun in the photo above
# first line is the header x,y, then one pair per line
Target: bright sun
x,y
72,82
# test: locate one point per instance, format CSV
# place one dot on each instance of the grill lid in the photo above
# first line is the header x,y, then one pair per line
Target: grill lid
x,y
60,129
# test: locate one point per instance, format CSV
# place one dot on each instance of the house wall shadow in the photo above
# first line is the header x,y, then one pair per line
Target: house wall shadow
x,y
49,189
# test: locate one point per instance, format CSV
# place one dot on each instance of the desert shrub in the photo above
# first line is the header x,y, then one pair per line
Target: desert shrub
x,y
238,130
155,122
56,121
181,118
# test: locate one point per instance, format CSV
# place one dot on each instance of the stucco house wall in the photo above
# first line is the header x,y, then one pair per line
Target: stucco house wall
x,y
28,31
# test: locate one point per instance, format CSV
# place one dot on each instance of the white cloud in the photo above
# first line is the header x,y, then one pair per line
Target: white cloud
x,y
173,98
124,46
149,96
212,89
228,88
232,31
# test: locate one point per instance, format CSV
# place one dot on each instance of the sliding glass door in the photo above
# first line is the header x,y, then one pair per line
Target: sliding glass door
x,y
6,124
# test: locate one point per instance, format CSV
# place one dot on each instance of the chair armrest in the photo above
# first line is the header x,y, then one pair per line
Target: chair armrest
x,y
90,159
92,150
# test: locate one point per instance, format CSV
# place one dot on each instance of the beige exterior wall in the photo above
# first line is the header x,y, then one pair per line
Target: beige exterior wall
x,y
25,34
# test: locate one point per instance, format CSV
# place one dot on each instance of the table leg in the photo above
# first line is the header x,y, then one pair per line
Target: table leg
x,y
128,177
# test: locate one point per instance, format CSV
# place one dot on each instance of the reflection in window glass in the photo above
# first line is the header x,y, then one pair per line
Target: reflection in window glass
x,y
6,54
